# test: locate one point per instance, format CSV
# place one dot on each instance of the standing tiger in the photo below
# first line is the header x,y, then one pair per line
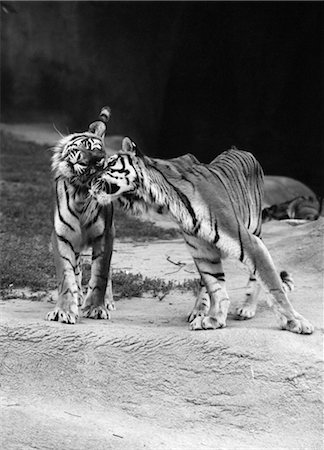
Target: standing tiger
x,y
80,222
218,208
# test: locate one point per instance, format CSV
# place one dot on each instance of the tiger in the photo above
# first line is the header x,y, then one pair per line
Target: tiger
x,y
218,209
298,208
81,222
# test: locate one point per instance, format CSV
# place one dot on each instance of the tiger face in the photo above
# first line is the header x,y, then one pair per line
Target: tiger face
x,y
79,157
118,177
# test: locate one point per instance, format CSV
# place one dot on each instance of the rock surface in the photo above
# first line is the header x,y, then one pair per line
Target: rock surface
x,y
144,381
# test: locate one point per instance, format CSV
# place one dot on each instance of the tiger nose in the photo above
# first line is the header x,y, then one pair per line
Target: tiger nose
x,y
94,159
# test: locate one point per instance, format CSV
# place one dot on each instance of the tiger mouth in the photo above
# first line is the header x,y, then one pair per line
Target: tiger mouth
x,y
113,188
103,187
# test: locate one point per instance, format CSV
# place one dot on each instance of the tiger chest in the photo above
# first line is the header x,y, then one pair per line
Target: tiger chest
x,y
92,220
93,231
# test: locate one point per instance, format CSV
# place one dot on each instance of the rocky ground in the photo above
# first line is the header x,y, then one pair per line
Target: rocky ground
x,y
144,381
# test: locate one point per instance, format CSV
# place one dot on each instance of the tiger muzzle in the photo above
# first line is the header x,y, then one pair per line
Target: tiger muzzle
x,y
100,186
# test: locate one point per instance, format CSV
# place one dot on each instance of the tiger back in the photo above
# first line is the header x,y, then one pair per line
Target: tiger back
x,y
232,185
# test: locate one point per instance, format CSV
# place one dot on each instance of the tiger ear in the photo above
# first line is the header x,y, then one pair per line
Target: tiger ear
x,y
129,146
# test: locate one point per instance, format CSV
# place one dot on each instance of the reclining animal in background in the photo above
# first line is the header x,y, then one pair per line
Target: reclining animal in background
x,y
287,198
298,208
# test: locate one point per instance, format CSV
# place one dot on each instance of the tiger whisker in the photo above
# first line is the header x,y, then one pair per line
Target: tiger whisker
x,y
58,131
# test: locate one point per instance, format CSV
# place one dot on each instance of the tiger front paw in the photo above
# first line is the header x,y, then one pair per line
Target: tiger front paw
x,y
245,312
96,312
197,312
110,305
59,315
207,323
298,325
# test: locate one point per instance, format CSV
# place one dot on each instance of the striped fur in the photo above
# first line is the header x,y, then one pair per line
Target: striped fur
x,y
80,222
218,208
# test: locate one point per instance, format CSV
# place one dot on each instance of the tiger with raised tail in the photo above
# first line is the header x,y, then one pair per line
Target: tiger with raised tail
x,y
218,208
80,222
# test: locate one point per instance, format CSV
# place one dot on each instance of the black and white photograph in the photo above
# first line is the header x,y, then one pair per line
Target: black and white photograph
x,y
162,225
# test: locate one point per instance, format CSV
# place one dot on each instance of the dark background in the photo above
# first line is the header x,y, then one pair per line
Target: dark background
x,y
180,77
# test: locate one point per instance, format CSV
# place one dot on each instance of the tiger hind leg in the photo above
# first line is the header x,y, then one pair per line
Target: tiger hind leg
x,y
248,309
259,259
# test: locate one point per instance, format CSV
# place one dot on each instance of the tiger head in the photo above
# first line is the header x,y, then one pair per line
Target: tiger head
x,y
119,176
78,157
